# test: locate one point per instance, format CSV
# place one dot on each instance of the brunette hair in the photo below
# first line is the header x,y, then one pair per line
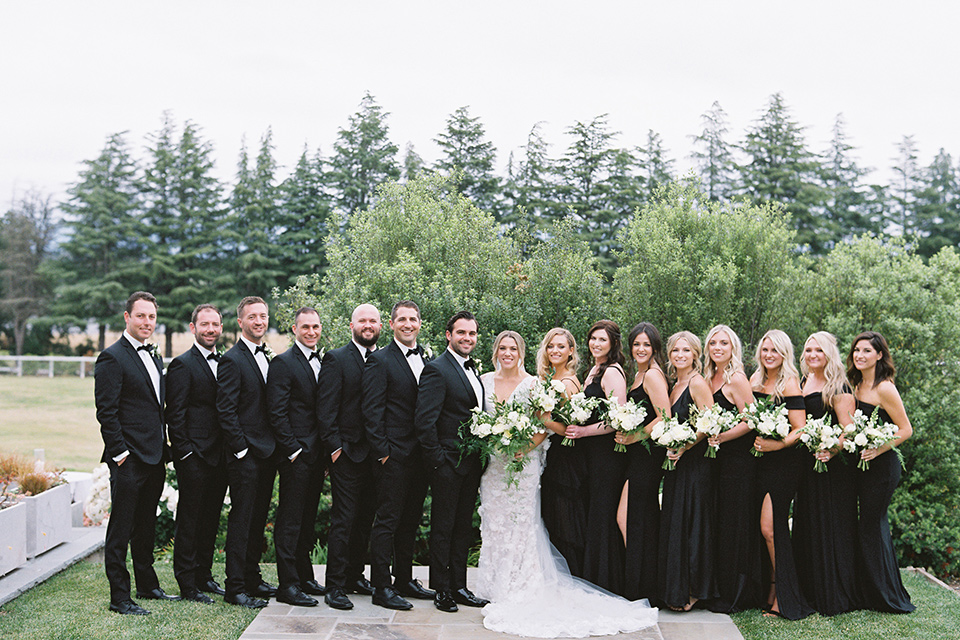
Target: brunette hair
x,y
204,307
246,302
885,369
615,356
460,315
141,295
656,343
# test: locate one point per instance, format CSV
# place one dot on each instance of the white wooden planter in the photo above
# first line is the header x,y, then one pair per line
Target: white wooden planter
x,y
13,537
48,519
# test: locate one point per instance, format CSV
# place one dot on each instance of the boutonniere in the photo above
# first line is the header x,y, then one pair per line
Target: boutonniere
x,y
153,349
268,352
477,365
427,351
219,349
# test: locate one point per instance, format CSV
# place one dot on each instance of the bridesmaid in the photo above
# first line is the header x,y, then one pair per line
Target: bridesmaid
x,y
778,473
638,515
686,572
825,511
871,371
738,518
563,488
603,553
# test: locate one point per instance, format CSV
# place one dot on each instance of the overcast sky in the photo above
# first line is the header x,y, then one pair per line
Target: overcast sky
x,y
71,73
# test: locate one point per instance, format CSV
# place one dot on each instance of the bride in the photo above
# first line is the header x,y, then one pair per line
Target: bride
x,y
529,586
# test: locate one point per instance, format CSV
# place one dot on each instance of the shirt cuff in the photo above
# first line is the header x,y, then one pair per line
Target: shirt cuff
x,y
187,456
121,456
295,454
240,454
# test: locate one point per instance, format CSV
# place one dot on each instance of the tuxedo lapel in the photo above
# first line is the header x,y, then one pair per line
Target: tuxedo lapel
x,y
252,361
134,355
461,372
400,361
203,364
305,368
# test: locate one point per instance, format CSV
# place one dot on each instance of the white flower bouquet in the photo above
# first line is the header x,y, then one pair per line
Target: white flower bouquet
x,y
508,432
547,395
769,420
626,419
576,410
868,433
820,434
713,421
672,434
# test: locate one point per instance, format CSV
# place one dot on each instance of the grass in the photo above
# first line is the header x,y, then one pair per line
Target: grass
x,y
937,617
73,605
54,414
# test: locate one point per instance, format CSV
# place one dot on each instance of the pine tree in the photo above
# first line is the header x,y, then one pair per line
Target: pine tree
x,y
467,155
656,167
846,206
713,155
531,184
364,158
903,189
413,164
305,220
938,206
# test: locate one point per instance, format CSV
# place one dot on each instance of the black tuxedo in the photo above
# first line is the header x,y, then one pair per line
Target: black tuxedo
x,y
444,402
131,419
351,476
197,444
292,398
389,403
242,409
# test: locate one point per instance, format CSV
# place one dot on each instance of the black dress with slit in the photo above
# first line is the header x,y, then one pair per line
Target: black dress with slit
x,y
778,475
644,472
879,573
738,523
687,521
603,550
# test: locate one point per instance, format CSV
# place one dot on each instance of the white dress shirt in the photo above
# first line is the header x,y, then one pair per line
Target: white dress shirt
x,y
415,361
472,376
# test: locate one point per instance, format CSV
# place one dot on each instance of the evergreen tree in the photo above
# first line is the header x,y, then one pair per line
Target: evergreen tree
x,y
938,206
103,256
531,184
656,167
305,220
903,189
364,158
713,155
845,209
467,155
413,164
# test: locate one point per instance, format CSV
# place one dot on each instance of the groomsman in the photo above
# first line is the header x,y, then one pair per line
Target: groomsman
x,y
351,472
129,390
249,449
449,389
390,382
195,438
292,398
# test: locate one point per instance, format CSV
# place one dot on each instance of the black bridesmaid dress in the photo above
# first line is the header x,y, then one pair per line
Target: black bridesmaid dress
x,y
738,523
778,475
880,581
644,472
687,537
603,550
563,501
825,526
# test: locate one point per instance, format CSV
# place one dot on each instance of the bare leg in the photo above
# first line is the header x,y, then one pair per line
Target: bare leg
x,y
766,529
622,511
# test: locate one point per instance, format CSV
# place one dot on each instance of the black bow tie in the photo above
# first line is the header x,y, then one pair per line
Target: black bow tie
x,y
469,364
214,356
313,355
414,352
144,347
260,349
366,354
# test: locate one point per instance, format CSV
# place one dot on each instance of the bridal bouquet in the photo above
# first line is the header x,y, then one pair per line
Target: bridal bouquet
x,y
626,419
820,434
868,433
713,421
769,420
575,410
672,434
508,432
546,395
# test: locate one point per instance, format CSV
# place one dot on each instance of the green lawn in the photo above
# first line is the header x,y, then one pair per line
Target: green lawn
x,y
53,414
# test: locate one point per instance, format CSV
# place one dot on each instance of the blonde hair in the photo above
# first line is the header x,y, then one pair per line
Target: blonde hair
x,y
783,346
694,343
543,364
521,347
833,372
736,358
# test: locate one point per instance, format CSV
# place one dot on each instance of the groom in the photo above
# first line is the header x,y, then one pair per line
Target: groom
x,y
449,388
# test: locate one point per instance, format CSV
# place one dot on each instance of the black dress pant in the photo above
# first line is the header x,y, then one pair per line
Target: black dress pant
x,y
401,487
202,487
294,533
451,525
251,488
351,515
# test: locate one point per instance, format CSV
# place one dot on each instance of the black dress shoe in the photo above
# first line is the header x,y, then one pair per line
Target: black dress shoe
x,y
389,598
444,602
195,596
465,597
263,590
128,608
211,586
414,589
312,587
293,595
337,599
361,586
243,600
155,594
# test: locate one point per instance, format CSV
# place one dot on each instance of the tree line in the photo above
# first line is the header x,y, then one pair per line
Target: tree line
x,y
162,221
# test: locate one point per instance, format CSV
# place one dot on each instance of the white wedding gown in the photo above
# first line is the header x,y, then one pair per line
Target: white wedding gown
x,y
527,581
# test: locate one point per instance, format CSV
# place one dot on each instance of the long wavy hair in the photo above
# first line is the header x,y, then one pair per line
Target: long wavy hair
x,y
615,356
694,343
885,369
543,364
656,343
833,371
736,358
783,346
521,347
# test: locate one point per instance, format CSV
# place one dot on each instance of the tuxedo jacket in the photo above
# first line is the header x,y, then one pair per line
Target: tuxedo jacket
x,y
292,402
192,420
444,402
389,391
128,410
338,402
242,403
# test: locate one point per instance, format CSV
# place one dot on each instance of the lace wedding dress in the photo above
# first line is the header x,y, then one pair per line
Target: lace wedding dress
x,y
530,589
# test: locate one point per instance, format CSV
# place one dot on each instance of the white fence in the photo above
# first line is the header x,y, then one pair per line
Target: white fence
x,y
49,366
